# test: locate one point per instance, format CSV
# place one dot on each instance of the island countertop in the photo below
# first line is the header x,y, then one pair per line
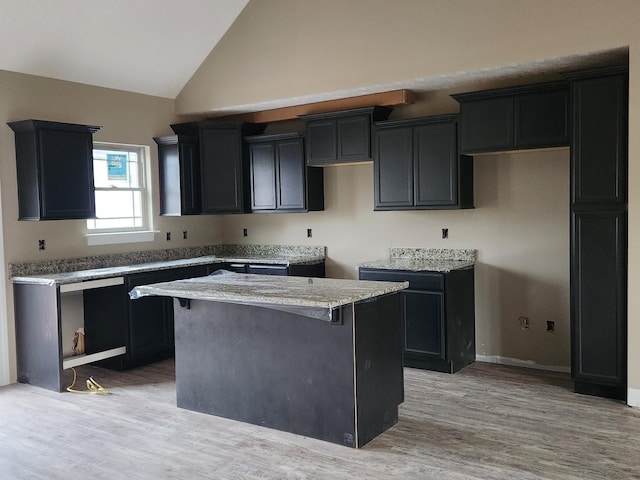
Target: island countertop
x,y
314,293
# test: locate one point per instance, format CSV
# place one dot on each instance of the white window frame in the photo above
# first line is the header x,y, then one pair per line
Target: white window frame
x,y
144,233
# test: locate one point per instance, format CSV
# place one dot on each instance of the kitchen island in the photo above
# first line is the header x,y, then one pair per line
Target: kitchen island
x,y
312,356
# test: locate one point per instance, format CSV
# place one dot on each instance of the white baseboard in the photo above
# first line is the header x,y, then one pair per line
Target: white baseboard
x,y
515,362
633,397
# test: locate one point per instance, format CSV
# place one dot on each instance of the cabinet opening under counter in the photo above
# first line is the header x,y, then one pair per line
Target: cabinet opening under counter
x,y
47,315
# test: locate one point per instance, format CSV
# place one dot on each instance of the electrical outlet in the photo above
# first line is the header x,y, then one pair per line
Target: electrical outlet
x,y
41,245
184,234
245,232
168,236
551,326
524,322
445,233
309,233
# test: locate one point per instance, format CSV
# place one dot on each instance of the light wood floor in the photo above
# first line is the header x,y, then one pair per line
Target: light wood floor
x,y
485,422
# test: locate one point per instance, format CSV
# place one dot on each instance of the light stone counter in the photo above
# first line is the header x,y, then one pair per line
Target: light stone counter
x,y
66,271
425,260
269,290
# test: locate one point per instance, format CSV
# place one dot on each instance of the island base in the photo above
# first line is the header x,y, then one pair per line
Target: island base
x,y
340,381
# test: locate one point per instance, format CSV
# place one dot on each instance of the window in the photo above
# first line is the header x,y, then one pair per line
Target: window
x,y
120,189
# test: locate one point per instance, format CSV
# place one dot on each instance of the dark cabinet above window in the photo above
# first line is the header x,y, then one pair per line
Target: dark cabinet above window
x,y
534,116
280,180
341,137
179,168
54,163
223,163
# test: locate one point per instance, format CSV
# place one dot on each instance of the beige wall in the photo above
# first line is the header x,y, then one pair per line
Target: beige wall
x,y
282,49
125,118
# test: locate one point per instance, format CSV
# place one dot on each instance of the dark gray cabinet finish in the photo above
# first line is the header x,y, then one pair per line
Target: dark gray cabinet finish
x,y
533,116
599,232
223,162
179,172
316,269
280,180
54,163
416,165
341,137
438,317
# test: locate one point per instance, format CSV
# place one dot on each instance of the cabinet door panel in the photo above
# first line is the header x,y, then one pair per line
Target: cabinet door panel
x,y
64,156
190,192
435,164
221,153
290,169
542,119
321,138
393,168
599,147
263,190
424,324
487,125
354,141
598,297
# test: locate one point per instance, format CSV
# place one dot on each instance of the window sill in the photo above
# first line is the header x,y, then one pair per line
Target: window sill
x,y
120,237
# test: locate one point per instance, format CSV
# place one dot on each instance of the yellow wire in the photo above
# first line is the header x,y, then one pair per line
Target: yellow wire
x,y
92,386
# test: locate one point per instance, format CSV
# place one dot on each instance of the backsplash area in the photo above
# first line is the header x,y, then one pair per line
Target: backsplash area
x,y
132,258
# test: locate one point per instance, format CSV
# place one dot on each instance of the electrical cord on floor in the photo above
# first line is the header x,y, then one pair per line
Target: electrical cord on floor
x,y
92,386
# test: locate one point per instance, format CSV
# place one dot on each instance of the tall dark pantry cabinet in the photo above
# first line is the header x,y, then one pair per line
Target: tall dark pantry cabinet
x,y
599,232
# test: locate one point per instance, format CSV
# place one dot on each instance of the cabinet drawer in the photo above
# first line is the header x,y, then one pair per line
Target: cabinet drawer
x,y
417,280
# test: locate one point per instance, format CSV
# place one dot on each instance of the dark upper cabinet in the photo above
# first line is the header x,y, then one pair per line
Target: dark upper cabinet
x,y
223,162
599,146
54,164
280,180
179,168
533,116
416,165
341,137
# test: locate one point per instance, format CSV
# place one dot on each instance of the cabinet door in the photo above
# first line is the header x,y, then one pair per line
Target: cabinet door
x,y
169,176
598,289
322,142
435,164
424,333
190,191
263,176
66,166
151,318
487,124
599,148
393,168
354,138
541,119
290,185
222,170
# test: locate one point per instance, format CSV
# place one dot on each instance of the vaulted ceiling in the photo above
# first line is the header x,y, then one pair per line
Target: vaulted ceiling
x,y
144,46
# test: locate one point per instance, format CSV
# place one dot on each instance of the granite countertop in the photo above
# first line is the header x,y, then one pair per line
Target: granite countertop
x,y
91,268
424,260
269,290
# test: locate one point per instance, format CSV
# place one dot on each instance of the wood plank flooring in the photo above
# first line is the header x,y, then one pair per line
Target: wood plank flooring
x,y
485,422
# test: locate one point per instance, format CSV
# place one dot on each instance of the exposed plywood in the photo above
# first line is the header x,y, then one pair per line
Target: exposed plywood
x,y
385,99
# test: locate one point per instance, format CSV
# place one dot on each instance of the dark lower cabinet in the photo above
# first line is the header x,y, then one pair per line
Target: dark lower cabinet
x,y
438,317
316,269
598,280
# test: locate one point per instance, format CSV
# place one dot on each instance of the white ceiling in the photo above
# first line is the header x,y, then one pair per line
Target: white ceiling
x,y
144,46
155,46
